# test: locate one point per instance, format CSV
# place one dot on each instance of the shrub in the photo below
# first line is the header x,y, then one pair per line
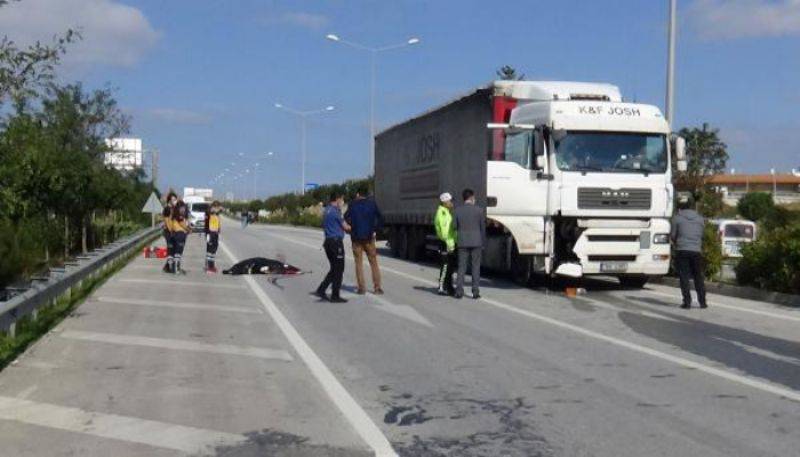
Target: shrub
x,y
712,252
755,206
773,261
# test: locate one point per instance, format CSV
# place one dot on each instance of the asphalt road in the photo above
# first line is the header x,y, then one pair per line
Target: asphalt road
x,y
241,366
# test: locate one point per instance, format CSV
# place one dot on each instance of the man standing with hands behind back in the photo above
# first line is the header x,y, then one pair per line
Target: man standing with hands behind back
x,y
471,234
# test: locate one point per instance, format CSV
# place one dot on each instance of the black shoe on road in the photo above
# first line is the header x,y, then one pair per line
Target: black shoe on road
x,y
338,300
685,306
476,295
703,306
458,295
443,292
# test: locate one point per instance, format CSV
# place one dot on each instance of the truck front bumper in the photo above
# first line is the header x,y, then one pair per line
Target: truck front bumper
x,y
624,247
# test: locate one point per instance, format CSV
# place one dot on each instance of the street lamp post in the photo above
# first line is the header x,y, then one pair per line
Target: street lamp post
x,y
303,115
670,102
373,52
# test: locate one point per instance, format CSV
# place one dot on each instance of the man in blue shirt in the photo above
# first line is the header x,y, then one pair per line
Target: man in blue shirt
x,y
365,219
334,226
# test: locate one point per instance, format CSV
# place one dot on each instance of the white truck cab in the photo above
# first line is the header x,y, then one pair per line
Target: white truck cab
x,y
586,184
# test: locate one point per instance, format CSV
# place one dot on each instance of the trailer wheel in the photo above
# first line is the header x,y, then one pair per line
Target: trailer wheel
x,y
402,243
415,243
521,267
394,241
633,282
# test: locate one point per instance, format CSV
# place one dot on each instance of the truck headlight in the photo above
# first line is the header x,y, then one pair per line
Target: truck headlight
x,y
661,238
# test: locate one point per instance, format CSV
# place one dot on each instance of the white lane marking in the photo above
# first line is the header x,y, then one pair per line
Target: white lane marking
x,y
732,307
179,282
180,305
190,440
744,380
352,411
404,311
181,345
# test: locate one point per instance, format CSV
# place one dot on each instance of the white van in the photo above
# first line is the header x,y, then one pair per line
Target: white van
x,y
197,207
733,233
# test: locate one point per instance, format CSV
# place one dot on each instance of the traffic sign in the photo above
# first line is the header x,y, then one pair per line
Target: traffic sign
x,y
152,205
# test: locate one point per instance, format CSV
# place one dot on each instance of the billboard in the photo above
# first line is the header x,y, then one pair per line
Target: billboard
x,y
197,192
126,153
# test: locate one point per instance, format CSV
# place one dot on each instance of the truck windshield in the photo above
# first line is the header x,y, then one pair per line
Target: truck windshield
x,y
200,207
612,152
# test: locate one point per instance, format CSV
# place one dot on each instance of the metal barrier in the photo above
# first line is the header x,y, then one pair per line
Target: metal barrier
x,y
63,281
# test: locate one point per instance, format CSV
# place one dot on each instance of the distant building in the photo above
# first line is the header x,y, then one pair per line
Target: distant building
x,y
785,187
126,153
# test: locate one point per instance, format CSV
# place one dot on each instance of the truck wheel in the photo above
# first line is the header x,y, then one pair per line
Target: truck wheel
x,y
633,282
521,267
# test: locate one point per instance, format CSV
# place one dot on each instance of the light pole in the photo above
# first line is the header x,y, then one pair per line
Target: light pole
x,y
670,102
373,52
303,115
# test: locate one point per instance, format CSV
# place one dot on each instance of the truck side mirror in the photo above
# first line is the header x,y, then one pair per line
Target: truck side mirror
x,y
682,166
540,161
680,148
538,143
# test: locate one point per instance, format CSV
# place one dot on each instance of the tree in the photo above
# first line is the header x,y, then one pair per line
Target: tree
x,y
755,206
706,155
509,73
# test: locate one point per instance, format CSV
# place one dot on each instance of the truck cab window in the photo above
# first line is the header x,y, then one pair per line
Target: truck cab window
x,y
519,148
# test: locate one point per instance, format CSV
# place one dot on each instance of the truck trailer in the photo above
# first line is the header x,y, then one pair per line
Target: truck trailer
x,y
575,181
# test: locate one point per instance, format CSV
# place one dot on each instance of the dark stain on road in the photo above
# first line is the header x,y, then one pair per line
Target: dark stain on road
x,y
279,444
662,376
548,387
653,405
738,397
406,415
506,429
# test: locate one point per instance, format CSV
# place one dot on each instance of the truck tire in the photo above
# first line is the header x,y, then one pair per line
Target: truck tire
x,y
633,282
521,267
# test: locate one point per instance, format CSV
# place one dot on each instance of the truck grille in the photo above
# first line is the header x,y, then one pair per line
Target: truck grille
x,y
605,198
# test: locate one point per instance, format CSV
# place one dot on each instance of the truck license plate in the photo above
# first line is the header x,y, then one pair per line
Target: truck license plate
x,y
613,267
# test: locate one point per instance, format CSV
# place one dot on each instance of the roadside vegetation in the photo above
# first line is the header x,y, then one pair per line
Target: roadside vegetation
x,y
57,197
295,209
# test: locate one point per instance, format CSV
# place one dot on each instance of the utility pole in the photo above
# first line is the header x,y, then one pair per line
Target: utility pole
x,y
154,167
670,102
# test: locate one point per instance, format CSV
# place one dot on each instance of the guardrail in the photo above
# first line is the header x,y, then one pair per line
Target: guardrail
x,y
63,281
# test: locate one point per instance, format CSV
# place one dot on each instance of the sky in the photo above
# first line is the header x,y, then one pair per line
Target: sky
x,y
200,78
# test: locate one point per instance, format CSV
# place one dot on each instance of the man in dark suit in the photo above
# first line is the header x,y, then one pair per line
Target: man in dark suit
x,y
470,222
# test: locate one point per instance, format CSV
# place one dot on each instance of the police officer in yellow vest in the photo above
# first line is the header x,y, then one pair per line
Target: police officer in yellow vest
x,y
446,232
